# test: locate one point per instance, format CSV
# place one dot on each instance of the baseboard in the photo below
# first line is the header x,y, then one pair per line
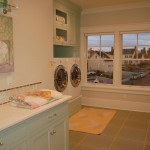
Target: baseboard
x,y
116,104
74,105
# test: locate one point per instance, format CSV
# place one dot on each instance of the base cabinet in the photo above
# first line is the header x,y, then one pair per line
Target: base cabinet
x,y
46,131
52,138
15,146
39,141
58,136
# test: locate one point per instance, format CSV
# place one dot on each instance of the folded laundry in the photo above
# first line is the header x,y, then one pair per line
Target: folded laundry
x,y
35,99
41,93
29,102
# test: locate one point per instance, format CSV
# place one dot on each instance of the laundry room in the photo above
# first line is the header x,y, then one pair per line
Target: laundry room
x,y
74,75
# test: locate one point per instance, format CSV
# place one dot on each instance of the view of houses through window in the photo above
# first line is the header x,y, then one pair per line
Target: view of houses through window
x,y
100,59
135,58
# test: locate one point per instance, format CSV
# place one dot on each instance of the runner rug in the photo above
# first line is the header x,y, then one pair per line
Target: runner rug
x,y
91,120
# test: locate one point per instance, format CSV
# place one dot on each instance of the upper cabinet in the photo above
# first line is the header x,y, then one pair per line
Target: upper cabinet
x,y
66,26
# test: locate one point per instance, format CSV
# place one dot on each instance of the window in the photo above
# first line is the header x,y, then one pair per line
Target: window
x,y
136,59
100,55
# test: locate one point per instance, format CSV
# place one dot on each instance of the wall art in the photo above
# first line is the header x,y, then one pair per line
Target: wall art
x,y
6,44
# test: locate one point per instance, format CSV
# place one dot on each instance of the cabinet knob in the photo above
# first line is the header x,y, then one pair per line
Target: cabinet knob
x,y
51,116
1,143
54,115
54,131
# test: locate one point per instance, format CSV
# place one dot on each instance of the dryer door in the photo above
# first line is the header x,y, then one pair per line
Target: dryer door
x,y
75,75
60,78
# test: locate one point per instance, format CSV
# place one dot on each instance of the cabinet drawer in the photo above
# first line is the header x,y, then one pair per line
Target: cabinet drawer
x,y
12,135
48,117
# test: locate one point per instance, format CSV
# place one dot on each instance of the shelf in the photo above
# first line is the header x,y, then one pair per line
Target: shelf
x,y
66,29
61,17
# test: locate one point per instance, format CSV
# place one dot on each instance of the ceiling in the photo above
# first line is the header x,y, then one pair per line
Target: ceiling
x,y
89,4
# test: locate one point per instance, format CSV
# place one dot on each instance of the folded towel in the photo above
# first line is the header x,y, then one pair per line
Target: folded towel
x,y
54,94
41,93
29,102
35,99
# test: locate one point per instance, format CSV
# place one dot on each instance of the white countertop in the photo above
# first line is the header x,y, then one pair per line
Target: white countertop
x,y
10,115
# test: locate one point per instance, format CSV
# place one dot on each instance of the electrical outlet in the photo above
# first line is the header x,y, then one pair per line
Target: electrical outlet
x,y
9,80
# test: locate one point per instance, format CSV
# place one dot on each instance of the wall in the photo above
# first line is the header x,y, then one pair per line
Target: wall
x,y
33,45
116,15
114,19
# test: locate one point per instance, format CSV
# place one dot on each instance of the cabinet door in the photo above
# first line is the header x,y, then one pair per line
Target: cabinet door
x,y
58,136
39,141
20,146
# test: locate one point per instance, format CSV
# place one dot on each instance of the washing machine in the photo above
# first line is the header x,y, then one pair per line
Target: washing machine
x,y
60,75
74,85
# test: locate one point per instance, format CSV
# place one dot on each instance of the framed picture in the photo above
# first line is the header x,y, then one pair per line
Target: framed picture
x,y
6,44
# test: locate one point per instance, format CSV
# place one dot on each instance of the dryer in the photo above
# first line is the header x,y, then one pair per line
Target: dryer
x,y
74,77
61,75
74,85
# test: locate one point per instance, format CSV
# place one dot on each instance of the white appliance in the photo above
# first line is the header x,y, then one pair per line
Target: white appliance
x,y
61,75
74,84
74,77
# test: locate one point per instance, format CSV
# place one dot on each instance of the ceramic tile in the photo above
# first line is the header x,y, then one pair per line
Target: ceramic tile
x,y
85,147
126,144
133,134
102,141
76,136
134,124
140,116
127,130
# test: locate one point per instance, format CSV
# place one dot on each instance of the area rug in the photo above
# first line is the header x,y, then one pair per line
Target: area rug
x,y
91,120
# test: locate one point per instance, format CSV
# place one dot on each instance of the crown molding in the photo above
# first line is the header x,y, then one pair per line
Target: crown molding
x,y
116,7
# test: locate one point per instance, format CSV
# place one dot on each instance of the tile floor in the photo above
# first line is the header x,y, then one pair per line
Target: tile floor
x,y
127,131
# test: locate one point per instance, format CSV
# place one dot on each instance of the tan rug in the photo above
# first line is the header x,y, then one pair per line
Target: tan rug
x,y
91,120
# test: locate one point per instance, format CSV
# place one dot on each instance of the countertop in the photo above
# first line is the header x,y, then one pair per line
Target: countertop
x,y
10,115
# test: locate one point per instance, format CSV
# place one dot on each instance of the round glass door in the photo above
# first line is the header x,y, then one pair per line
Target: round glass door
x,y
60,78
75,75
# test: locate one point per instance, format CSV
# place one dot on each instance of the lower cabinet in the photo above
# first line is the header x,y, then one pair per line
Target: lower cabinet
x,y
58,136
39,141
55,137
45,131
21,146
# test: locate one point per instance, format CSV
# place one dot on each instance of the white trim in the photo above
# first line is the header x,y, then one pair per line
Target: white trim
x,y
116,104
117,89
122,28
116,7
110,29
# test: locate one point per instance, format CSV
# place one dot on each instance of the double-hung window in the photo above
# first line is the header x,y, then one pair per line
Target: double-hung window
x,y
100,55
134,57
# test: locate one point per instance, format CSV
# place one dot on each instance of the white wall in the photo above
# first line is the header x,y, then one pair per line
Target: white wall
x,y
116,15
33,47
114,20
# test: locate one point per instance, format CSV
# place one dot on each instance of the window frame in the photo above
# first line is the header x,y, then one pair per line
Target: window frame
x,y
117,30
100,49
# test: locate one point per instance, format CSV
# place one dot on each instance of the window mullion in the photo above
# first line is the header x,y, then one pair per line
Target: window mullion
x,y
117,77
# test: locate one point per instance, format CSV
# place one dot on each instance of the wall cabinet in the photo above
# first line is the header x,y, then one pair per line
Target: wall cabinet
x,y
47,130
66,28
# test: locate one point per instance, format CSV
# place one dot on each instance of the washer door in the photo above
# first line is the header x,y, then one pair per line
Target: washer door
x,y
60,78
75,75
